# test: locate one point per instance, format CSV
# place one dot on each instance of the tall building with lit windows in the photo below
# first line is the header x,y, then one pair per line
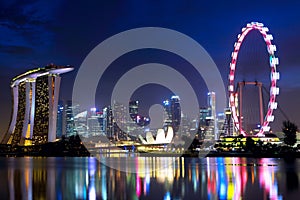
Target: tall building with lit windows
x,y
208,128
35,104
211,101
60,120
108,113
204,121
136,118
71,110
133,109
228,124
172,113
96,122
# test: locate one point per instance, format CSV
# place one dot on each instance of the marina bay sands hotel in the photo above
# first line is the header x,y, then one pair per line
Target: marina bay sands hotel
x,y
35,98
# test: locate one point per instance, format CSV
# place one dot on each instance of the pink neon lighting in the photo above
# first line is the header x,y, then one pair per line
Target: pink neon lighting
x,y
274,76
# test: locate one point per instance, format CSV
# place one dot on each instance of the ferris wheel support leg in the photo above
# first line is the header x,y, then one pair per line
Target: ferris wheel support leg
x,y
261,105
241,104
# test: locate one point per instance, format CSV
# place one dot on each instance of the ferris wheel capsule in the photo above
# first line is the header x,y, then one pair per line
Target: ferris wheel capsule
x,y
269,37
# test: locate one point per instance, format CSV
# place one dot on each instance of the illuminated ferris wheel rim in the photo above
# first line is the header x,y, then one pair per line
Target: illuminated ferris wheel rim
x,y
274,90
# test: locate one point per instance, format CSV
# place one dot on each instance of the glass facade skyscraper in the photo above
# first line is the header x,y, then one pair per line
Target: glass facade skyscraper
x,y
172,113
70,122
60,120
211,101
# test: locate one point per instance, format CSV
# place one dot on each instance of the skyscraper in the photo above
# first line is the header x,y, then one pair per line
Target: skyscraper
x,y
133,109
135,117
108,113
77,123
204,129
94,122
211,101
172,113
70,123
60,120
208,128
35,100
204,115
228,124
102,122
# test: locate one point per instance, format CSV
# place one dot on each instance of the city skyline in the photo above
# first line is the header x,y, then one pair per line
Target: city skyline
x,y
37,33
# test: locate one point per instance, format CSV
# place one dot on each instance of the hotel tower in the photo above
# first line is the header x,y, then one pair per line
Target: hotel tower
x,y
35,98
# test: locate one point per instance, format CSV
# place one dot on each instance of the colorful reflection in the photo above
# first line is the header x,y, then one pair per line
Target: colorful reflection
x,y
184,178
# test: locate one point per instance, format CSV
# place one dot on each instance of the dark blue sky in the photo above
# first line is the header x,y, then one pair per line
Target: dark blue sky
x,y
36,33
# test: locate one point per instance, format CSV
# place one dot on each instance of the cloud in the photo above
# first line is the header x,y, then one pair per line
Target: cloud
x,y
18,15
30,20
12,49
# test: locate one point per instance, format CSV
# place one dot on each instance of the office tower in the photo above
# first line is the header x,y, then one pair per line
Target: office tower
x,y
211,101
203,123
167,113
93,123
121,120
60,119
221,118
133,109
102,122
132,127
137,119
70,123
204,116
107,111
172,113
228,124
77,125
35,100
208,128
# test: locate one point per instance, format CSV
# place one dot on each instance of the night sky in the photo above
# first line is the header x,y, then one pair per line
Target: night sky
x,y
36,33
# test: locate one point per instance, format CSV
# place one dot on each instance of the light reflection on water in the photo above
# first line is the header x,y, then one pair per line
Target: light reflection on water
x,y
184,178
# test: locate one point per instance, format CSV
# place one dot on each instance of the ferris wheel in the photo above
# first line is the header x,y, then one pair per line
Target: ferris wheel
x,y
274,90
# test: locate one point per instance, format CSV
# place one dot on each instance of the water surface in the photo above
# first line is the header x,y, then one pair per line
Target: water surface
x,y
156,178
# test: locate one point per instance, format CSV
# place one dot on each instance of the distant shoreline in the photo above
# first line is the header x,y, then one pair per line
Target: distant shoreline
x,y
69,147
74,148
